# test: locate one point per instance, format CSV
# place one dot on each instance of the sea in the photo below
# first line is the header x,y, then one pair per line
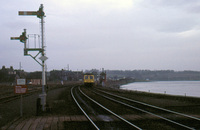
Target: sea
x,y
181,88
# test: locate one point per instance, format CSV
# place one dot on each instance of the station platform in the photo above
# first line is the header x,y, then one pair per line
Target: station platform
x,y
41,123
58,122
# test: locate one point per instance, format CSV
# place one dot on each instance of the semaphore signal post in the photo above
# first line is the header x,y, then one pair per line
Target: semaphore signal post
x,y
41,50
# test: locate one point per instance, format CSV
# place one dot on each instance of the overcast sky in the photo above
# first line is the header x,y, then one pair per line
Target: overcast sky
x,y
110,34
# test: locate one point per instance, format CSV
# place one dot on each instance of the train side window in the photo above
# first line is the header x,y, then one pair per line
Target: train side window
x,y
91,77
86,77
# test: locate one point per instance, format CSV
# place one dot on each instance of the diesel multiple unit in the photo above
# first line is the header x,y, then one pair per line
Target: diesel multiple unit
x,y
89,80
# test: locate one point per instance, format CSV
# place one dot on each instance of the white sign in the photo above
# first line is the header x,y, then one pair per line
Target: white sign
x,y
43,58
21,81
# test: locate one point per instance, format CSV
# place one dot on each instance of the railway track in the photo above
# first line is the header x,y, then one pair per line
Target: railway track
x,y
181,120
10,98
108,109
108,114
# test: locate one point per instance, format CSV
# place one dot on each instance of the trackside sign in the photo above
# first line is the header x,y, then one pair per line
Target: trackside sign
x,y
21,81
20,89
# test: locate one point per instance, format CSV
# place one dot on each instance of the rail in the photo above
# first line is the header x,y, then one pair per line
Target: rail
x,y
163,109
182,125
83,110
131,124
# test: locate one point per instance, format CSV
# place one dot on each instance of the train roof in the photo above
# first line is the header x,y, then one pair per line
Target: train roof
x,y
88,74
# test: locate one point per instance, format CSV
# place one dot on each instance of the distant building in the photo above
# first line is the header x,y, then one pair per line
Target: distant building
x,y
65,75
35,81
8,74
103,77
9,71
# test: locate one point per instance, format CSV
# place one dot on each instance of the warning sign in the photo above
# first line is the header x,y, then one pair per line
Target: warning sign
x,y
20,89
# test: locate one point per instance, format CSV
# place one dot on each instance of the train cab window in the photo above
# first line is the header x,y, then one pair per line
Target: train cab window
x,y
91,77
86,77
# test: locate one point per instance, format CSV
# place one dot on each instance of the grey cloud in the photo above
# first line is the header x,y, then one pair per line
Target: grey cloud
x,y
178,25
173,3
194,9
139,38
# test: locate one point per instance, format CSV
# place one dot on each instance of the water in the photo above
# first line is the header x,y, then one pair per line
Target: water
x,y
183,88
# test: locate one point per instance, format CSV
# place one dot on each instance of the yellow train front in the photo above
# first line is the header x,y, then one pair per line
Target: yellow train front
x,y
89,80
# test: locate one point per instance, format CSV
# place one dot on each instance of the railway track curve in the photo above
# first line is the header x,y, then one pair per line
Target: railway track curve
x,y
144,107
131,125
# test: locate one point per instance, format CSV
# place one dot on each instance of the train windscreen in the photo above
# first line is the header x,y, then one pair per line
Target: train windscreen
x,y
91,77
